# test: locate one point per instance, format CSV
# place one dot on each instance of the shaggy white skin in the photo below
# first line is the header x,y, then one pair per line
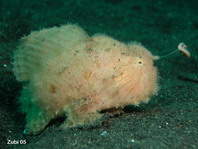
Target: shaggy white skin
x,y
68,72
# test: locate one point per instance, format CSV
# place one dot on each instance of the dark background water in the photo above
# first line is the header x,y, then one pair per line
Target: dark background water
x,y
169,120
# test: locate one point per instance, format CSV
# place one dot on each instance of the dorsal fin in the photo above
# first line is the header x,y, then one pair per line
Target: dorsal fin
x,y
36,49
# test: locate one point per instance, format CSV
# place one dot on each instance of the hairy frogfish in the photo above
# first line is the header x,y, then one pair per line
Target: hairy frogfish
x,y
66,72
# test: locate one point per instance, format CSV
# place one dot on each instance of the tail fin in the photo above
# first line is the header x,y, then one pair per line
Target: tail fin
x,y
36,49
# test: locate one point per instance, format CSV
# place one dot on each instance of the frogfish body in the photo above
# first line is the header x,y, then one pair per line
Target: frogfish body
x,y
67,72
